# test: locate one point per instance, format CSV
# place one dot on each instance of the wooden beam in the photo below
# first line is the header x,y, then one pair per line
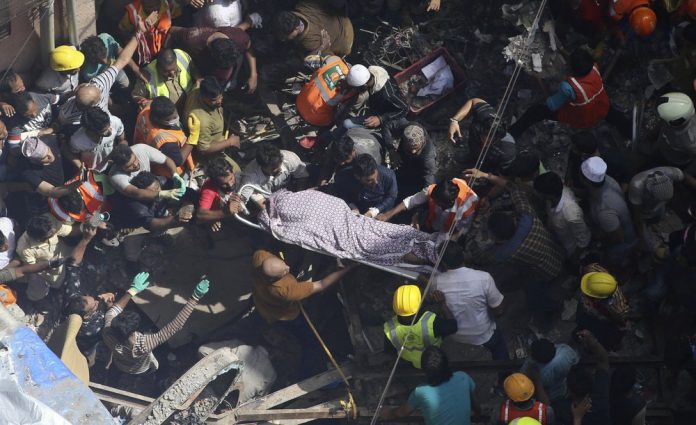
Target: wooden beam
x,y
276,414
297,390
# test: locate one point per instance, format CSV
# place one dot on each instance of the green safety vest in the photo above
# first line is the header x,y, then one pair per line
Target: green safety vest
x,y
415,338
157,87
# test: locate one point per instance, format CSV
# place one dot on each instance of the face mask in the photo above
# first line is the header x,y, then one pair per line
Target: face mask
x,y
173,123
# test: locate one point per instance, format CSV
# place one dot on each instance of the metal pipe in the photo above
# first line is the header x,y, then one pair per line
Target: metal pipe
x,y
72,22
48,35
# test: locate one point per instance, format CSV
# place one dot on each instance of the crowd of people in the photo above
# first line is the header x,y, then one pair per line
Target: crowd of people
x,y
130,134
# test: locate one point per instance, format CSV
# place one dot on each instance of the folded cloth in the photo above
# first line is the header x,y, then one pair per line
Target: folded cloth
x,y
315,220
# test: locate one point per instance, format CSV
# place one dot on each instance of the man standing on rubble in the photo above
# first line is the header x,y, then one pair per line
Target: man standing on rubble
x,y
277,295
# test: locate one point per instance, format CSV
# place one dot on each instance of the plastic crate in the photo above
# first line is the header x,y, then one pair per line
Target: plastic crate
x,y
457,72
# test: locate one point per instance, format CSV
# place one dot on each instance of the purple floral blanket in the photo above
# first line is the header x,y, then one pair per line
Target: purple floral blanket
x,y
315,220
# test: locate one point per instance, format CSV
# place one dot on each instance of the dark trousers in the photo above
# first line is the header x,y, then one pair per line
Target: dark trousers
x,y
497,346
311,359
540,112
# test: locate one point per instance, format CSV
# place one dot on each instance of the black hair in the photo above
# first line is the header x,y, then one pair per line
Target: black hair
x,y
224,52
525,165
72,202
125,324
581,62
10,76
580,381
21,102
161,107
285,23
501,225
549,184
268,155
343,149
166,57
94,49
453,257
210,87
436,366
76,305
542,351
95,119
121,155
3,238
143,179
364,165
689,32
585,142
445,192
218,167
39,227
622,381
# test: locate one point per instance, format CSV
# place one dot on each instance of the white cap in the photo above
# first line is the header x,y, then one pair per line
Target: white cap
x,y
358,76
594,169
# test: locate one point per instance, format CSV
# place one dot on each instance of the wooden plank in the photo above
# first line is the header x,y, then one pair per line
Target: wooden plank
x,y
277,414
297,390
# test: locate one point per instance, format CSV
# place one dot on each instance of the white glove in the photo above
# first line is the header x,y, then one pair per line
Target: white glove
x,y
256,20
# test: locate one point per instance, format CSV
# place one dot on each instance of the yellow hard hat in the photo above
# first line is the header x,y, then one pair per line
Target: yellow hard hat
x,y
525,421
66,58
406,300
518,387
598,284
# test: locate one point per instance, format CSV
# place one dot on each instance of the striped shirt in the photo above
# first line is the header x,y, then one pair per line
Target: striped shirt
x,y
135,355
70,113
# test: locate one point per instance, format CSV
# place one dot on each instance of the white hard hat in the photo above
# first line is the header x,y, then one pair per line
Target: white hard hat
x,y
358,76
675,108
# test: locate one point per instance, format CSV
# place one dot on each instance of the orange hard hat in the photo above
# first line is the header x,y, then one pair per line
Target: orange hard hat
x,y
643,21
691,9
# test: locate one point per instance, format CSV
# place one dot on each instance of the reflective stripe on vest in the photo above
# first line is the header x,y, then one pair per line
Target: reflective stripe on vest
x,y
61,214
414,339
334,65
581,89
156,87
466,202
506,409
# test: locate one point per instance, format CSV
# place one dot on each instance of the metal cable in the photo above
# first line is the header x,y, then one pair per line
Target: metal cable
x,y
482,156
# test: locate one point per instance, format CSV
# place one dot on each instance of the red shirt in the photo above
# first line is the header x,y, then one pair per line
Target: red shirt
x,y
209,198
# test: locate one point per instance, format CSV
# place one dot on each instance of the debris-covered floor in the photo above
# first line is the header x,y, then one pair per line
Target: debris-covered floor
x,y
478,37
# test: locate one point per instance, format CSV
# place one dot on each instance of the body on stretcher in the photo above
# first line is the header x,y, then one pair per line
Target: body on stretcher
x,y
402,271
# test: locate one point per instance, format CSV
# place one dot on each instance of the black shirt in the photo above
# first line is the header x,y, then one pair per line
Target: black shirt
x,y
34,174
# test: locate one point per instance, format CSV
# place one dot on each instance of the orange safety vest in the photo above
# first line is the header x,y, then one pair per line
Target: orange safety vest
x,y
157,34
92,196
319,98
591,101
464,206
145,132
509,412
622,8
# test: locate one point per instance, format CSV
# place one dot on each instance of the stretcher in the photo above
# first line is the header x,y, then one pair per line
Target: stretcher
x,y
401,270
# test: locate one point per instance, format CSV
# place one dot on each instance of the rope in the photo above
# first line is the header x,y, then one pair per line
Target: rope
x,y
482,156
347,405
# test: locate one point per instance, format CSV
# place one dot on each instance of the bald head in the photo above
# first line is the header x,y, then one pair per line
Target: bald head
x,y
274,268
87,95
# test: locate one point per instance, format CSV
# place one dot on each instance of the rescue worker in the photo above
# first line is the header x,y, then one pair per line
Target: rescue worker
x,y
580,102
160,127
447,202
89,198
171,75
428,330
520,402
320,98
152,19
677,140
61,77
640,16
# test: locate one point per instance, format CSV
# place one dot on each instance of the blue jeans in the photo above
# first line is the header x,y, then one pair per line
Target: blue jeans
x,y
496,345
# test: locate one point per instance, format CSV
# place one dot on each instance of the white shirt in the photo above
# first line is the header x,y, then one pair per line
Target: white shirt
x,y
292,168
7,229
146,155
94,155
567,222
219,13
469,294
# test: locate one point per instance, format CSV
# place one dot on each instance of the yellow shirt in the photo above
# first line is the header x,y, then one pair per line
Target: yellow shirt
x,y
31,251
